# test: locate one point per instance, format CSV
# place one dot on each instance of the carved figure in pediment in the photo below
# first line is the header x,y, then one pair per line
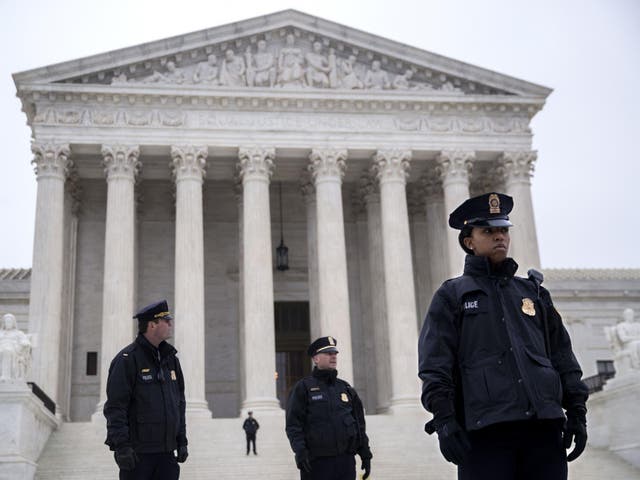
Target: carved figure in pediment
x,y
261,67
232,72
15,350
207,72
317,67
120,78
290,64
448,87
403,82
172,75
333,68
624,339
376,78
349,78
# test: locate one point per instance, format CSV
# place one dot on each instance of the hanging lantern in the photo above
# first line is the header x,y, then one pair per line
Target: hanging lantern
x,y
282,252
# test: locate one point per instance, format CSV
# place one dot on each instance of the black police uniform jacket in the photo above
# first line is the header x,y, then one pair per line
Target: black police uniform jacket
x,y
483,354
250,426
325,417
145,406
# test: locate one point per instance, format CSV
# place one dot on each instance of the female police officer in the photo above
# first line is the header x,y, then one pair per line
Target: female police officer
x,y
496,361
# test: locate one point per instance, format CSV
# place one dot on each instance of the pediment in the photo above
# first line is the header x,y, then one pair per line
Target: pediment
x,y
285,50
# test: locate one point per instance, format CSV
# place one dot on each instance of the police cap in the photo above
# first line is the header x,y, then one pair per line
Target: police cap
x,y
155,311
323,345
488,210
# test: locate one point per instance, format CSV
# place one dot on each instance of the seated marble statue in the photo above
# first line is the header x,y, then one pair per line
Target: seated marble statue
x,y
15,350
261,66
207,72
624,338
172,75
290,61
376,78
349,78
318,70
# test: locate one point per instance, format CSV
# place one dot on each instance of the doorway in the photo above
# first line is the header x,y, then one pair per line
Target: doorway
x,y
292,340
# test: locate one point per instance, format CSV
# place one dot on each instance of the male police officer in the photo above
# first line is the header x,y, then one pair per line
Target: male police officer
x,y
145,405
325,420
250,427
496,361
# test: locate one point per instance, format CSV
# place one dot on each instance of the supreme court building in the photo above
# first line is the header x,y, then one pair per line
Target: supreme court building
x,y
174,169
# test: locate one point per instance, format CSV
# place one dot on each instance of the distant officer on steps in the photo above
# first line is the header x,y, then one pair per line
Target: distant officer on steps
x,y
145,407
498,371
325,420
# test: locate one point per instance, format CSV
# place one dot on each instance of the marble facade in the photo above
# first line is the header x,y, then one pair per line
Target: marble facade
x,y
156,167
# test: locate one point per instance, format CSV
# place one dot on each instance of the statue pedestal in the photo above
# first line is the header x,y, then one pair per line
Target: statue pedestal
x,y
623,414
25,426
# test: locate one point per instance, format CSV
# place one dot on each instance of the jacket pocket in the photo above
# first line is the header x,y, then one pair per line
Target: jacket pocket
x,y
487,383
150,428
544,378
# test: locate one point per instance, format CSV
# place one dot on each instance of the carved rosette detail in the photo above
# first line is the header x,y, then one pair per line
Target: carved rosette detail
x,y
391,165
415,200
51,160
432,185
455,165
121,161
327,164
517,166
307,187
256,163
188,162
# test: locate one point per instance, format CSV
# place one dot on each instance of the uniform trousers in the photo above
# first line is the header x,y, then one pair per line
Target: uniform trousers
x,y
153,466
251,438
526,450
341,467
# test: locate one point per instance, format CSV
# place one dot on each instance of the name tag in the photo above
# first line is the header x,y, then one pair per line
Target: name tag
x,y
471,305
317,396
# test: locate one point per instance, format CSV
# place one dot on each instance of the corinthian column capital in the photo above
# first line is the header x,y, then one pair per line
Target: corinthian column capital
x,y
455,165
327,163
517,166
51,160
188,162
256,163
121,161
391,165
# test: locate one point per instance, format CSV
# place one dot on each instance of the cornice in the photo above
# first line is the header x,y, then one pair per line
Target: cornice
x,y
587,274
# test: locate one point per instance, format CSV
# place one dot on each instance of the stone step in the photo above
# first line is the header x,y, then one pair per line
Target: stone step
x,y
402,451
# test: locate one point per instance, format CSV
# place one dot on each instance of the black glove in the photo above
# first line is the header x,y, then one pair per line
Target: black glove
x,y
302,461
575,431
183,453
126,458
366,466
454,443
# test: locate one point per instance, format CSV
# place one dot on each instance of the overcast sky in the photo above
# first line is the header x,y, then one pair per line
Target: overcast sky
x,y
586,136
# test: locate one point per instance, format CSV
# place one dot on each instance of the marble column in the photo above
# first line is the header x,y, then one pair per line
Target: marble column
x,y
437,244
418,229
256,167
454,168
327,167
517,168
309,193
51,163
371,194
118,289
391,168
189,167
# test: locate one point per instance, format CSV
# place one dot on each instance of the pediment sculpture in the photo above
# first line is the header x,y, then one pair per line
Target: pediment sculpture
x,y
289,64
624,339
15,351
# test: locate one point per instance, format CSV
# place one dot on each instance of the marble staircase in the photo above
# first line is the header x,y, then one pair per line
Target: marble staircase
x,y
402,451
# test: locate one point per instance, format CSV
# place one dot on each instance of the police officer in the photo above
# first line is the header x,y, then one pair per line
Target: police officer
x,y
325,420
496,362
145,405
250,427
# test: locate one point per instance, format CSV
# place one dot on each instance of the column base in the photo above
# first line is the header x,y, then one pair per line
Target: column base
x,y
264,406
197,410
400,405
